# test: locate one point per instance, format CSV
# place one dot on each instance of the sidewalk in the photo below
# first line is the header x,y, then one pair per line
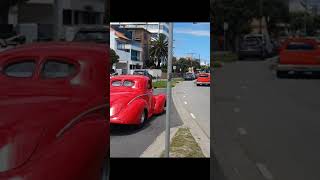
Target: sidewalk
x,y
198,134
187,140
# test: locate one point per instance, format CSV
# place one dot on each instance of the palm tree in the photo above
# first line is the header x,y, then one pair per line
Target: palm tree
x,y
159,50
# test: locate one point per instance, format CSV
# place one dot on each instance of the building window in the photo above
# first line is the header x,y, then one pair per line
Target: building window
x,y
67,17
122,46
153,26
164,28
135,55
76,17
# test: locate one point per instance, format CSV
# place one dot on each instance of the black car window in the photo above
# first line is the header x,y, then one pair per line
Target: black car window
x,y
116,83
21,69
203,75
57,69
300,46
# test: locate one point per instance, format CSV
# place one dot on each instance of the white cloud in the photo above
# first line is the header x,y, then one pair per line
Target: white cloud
x,y
193,32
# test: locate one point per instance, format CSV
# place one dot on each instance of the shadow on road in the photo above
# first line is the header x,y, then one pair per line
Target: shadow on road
x,y
124,130
299,76
217,173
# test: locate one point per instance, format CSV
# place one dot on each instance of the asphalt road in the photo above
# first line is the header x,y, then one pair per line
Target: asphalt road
x,y
196,101
128,142
265,124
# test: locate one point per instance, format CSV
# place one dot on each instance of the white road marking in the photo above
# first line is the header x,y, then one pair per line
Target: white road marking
x,y
264,171
236,110
242,131
185,102
184,96
193,116
237,171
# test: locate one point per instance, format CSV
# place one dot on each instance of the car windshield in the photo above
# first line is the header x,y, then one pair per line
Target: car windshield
x,y
95,36
252,41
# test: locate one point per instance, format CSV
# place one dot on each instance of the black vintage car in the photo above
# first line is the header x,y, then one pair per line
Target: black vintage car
x,y
189,76
97,34
255,45
142,72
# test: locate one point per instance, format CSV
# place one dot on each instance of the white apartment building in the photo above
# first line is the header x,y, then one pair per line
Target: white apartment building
x,y
313,6
128,50
155,28
36,17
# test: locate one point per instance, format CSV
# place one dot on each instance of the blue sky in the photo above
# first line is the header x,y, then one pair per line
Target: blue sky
x,y
192,38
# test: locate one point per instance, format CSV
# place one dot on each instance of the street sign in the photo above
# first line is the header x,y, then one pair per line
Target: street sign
x,y
174,67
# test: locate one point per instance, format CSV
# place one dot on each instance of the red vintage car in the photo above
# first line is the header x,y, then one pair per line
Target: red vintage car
x,y
132,100
299,56
53,122
203,79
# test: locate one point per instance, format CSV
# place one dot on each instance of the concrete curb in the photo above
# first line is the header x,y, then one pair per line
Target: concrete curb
x,y
201,138
157,147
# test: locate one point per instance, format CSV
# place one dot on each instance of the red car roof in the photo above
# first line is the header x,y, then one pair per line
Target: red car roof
x,y
131,77
58,46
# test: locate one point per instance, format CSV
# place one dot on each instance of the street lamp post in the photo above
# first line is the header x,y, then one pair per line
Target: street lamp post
x,y
57,19
306,18
261,15
169,77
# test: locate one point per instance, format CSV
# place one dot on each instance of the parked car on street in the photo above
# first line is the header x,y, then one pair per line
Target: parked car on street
x,y
203,79
53,112
11,42
189,76
142,72
97,34
255,45
132,100
299,56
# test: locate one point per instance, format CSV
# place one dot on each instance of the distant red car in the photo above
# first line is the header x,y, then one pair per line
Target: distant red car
x,y
53,122
132,101
299,56
203,79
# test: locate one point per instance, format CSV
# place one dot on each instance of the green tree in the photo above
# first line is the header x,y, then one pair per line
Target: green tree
x,y
4,9
159,50
239,15
114,57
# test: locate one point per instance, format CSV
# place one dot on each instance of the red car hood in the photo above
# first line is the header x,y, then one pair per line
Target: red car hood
x,y
22,124
119,99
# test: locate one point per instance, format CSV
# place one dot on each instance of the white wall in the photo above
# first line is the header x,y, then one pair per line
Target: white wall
x,y
123,55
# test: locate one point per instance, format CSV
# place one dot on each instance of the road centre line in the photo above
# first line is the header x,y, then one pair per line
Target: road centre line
x,y
264,171
193,116
242,131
